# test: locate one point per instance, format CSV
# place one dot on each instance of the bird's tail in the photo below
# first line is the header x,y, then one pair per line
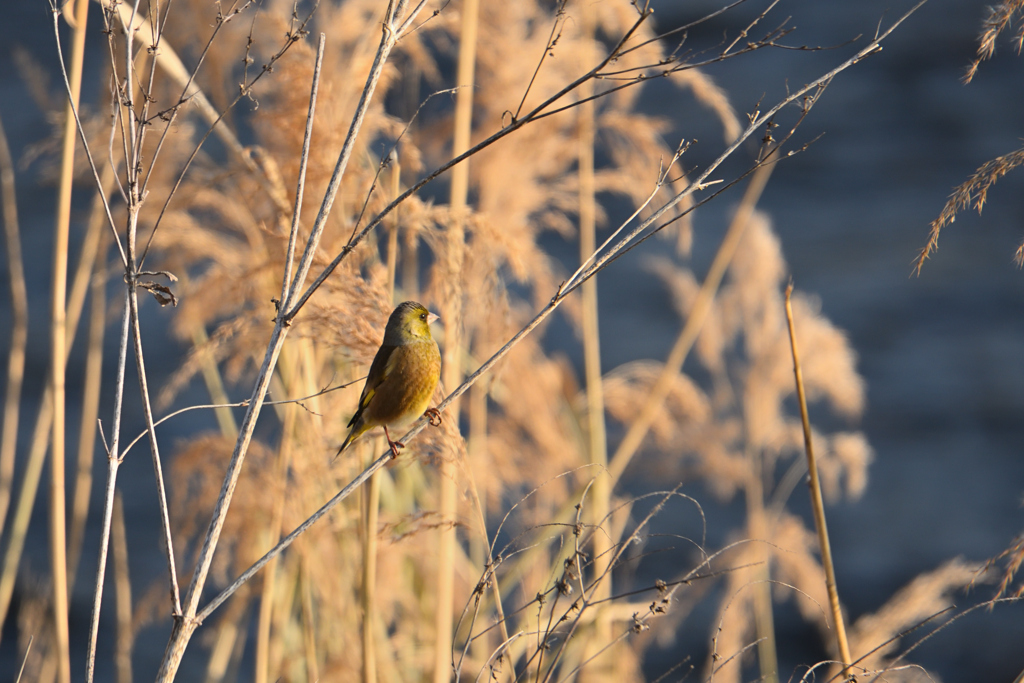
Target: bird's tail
x,y
353,434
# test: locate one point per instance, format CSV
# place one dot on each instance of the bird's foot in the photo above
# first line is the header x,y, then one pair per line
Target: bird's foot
x,y
434,416
395,446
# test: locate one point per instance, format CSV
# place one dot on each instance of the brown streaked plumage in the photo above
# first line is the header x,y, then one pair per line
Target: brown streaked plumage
x,y
402,377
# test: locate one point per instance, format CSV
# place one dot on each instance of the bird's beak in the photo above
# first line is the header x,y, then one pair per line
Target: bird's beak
x,y
431,317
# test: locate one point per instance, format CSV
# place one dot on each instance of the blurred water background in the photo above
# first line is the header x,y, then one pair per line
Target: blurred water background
x,y
942,354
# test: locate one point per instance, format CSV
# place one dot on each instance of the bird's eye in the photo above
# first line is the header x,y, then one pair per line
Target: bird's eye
x,y
423,316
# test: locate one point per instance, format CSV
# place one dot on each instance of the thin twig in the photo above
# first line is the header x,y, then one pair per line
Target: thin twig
x,y
238,404
24,660
303,161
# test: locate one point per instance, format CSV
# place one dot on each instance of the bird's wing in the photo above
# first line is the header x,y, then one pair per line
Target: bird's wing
x,y
379,371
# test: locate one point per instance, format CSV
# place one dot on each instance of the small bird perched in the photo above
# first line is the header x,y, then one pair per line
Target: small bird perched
x,y
402,377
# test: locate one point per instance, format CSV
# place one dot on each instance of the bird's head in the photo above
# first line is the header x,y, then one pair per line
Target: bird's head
x,y
409,322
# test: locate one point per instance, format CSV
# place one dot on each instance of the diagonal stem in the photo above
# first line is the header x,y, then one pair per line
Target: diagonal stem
x,y
817,503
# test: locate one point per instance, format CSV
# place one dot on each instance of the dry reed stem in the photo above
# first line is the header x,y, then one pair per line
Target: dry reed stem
x,y
817,503
372,508
597,447
369,578
41,433
452,315
58,335
19,326
93,278
24,660
123,591
290,376
58,376
132,137
26,499
214,387
309,626
87,425
37,449
764,622
73,112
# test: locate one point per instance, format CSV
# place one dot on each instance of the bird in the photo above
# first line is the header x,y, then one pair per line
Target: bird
x,y
402,378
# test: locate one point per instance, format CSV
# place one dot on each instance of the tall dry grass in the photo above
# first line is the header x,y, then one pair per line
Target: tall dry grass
x,y
503,543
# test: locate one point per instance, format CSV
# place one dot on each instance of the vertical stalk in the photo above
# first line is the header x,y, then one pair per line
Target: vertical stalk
x,y
123,590
308,625
215,387
764,621
90,276
817,504
19,326
600,499
392,255
410,264
372,508
369,578
58,333
90,412
452,315
290,372
227,637
23,508
480,551
41,431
